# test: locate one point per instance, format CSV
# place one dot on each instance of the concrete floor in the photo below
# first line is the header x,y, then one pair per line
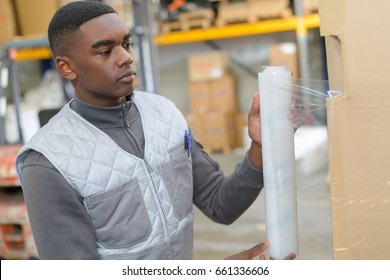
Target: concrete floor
x,y
215,241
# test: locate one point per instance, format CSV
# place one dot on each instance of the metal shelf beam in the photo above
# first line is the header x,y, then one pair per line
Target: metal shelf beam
x,y
237,30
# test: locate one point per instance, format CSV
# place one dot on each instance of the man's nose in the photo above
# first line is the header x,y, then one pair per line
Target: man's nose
x,y
125,57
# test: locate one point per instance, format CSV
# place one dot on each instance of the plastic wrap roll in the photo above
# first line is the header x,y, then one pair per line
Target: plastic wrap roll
x,y
277,135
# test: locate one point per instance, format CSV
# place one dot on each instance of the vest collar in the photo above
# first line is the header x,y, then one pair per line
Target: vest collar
x,y
106,117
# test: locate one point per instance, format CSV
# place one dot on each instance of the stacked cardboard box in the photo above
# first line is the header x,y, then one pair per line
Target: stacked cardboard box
x,y
34,16
284,54
124,8
310,6
7,21
214,116
357,47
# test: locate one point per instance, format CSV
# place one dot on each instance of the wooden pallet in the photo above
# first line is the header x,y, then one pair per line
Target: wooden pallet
x,y
189,20
265,9
169,26
231,13
252,11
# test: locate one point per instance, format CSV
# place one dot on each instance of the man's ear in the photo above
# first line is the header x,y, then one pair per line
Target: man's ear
x,y
64,67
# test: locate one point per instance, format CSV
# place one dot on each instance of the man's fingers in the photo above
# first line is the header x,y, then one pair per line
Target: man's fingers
x,y
255,109
257,250
249,254
290,256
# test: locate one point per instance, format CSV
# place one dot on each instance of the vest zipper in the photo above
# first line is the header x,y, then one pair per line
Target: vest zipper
x,y
160,208
126,124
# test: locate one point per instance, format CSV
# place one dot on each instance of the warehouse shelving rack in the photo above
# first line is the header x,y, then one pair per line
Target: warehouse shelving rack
x,y
11,53
16,241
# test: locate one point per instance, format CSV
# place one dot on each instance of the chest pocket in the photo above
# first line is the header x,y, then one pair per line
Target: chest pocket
x,y
177,176
119,216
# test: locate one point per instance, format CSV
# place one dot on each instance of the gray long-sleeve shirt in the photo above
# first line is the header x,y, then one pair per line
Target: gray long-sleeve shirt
x,y
61,226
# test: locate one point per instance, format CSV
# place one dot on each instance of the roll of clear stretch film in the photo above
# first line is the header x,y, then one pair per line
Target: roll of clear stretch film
x,y
277,134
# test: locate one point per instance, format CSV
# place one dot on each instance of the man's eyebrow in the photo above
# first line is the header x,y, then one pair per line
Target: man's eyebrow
x,y
127,36
109,42
102,43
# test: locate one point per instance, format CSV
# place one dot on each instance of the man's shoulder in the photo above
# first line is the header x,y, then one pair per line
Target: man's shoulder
x,y
34,158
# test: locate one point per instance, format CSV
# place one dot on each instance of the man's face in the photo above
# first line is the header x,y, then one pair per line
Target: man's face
x,y
102,60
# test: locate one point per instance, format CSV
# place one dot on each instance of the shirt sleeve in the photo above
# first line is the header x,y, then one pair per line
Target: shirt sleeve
x,y
223,198
60,224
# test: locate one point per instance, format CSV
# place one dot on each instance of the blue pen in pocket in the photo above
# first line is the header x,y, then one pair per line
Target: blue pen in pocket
x,y
187,142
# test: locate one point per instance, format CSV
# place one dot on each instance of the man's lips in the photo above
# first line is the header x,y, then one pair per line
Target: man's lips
x,y
127,76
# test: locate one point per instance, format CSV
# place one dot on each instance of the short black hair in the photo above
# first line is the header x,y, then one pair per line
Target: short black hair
x,y
68,19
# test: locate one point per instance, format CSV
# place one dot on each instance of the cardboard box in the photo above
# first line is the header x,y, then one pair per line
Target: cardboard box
x,y
284,54
34,16
310,6
220,130
200,97
64,2
357,45
224,95
124,8
241,124
7,21
208,66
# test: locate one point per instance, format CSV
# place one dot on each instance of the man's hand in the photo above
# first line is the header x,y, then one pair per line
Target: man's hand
x,y
290,256
254,131
296,112
257,250
249,254
254,127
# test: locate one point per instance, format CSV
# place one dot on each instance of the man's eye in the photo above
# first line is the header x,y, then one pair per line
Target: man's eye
x,y
128,45
105,52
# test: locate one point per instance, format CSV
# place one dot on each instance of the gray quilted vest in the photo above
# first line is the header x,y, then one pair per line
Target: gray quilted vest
x,y
140,208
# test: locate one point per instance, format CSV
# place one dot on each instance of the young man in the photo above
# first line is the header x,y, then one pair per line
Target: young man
x,y
115,173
